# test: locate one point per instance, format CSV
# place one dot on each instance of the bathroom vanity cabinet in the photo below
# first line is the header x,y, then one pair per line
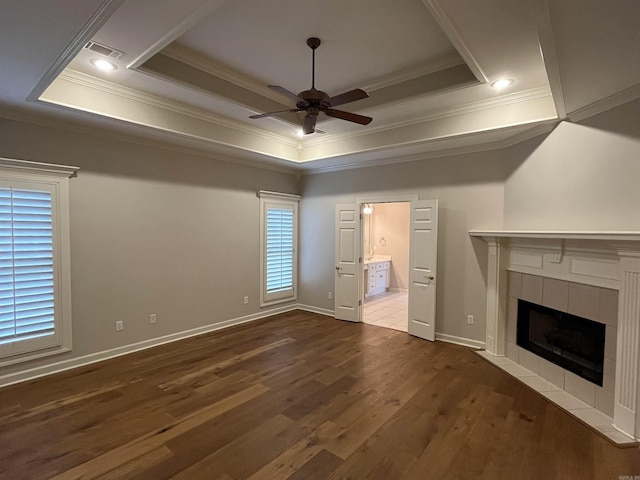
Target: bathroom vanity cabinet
x,y
377,276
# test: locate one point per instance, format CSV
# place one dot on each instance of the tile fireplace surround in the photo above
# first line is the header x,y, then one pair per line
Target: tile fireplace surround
x,y
595,275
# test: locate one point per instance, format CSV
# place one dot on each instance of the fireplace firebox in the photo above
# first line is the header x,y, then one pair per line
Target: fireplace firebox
x,y
571,342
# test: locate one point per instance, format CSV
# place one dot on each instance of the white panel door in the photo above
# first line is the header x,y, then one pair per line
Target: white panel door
x,y
423,258
347,298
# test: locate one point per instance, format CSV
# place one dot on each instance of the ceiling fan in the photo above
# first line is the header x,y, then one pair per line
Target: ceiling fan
x,y
315,101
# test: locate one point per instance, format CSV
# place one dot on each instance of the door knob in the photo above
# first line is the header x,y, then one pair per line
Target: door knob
x,y
429,277
338,267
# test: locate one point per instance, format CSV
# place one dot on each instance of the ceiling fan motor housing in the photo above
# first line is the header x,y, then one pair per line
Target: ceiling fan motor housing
x,y
315,98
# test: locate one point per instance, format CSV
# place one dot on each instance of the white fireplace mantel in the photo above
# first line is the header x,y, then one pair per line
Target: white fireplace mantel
x,y
606,259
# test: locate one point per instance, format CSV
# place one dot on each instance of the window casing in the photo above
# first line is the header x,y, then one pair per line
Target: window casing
x,y
35,302
278,247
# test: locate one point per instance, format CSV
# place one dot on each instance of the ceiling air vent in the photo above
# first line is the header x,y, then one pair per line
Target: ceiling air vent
x,y
104,50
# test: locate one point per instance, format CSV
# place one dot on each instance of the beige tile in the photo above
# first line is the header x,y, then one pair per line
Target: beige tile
x,y
592,416
614,434
609,374
515,284
605,401
529,360
565,400
512,351
608,312
580,388
555,294
552,373
495,359
539,384
584,301
531,288
517,371
611,342
512,319
388,310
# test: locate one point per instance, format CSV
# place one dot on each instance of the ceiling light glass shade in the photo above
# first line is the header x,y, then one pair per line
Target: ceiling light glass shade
x,y
368,209
502,83
102,64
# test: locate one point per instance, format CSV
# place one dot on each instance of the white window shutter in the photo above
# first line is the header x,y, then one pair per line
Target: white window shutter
x,y
278,247
26,265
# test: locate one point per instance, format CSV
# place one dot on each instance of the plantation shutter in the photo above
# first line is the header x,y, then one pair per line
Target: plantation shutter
x,y
26,265
280,249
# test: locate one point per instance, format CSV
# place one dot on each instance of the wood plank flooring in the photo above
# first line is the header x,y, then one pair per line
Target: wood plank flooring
x,y
298,396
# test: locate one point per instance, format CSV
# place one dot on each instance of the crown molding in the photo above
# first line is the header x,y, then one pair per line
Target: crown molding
x,y
542,18
217,69
451,32
625,96
473,107
275,164
534,131
99,17
222,71
171,106
412,73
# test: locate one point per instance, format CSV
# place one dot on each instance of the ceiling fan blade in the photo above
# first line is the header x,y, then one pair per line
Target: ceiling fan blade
x,y
271,114
347,97
287,93
309,124
348,116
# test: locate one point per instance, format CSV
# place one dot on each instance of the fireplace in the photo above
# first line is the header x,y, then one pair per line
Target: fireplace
x,y
592,274
569,341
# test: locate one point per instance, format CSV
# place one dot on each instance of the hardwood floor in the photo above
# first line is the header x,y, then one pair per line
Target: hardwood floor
x,y
296,396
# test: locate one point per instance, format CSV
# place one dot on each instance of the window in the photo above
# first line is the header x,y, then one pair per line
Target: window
x,y
34,260
278,247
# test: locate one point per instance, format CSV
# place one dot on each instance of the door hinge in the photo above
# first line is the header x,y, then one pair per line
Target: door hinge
x,y
359,303
359,259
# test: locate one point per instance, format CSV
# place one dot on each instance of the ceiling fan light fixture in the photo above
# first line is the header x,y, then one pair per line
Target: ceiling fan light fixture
x,y
502,83
103,65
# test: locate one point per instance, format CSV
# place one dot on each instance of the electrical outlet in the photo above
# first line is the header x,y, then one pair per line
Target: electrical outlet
x,y
152,318
470,319
330,295
119,326
246,300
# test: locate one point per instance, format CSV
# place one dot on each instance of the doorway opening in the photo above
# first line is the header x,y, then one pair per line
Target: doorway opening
x,y
386,234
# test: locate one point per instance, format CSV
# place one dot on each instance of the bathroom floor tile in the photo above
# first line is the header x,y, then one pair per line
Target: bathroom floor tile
x,y
388,310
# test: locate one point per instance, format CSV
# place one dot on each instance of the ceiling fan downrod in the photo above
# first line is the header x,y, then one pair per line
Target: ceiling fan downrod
x,y
313,43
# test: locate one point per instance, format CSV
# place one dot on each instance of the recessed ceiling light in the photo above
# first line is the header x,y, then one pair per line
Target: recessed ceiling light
x,y
299,132
502,83
102,64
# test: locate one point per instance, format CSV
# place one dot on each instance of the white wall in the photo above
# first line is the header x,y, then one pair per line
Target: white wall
x,y
580,177
470,190
152,231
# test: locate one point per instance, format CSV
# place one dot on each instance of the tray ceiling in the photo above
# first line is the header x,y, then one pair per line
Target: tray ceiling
x,y
193,71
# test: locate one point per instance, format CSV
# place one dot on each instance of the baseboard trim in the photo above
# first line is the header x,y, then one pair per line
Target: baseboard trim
x,y
466,342
64,365
312,309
